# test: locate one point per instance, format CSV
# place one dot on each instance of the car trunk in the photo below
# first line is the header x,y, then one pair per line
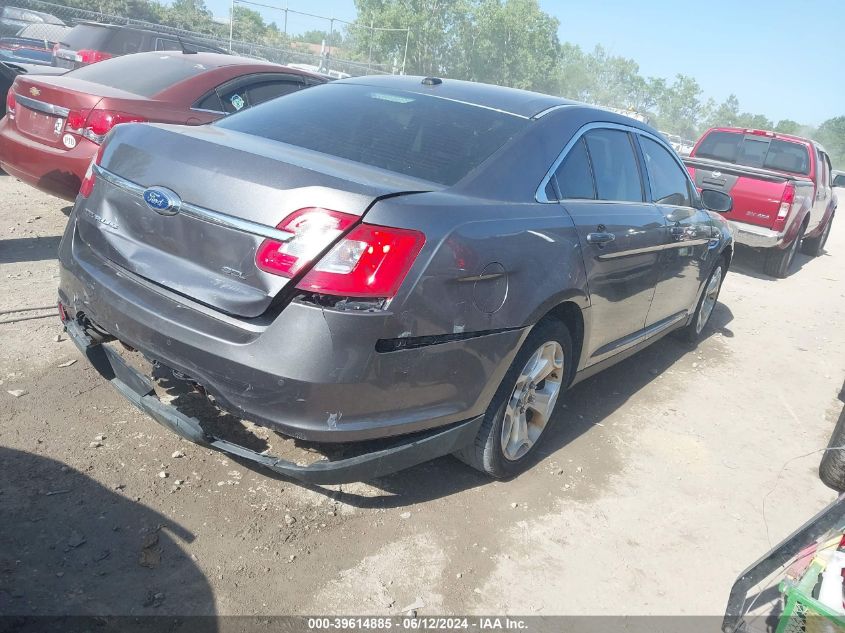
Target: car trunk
x,y
757,193
239,177
44,103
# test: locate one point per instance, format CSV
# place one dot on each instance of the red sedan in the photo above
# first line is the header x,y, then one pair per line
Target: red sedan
x,y
55,124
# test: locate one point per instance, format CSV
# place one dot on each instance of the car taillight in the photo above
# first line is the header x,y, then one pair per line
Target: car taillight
x,y
10,104
785,205
90,178
371,261
98,123
87,56
314,230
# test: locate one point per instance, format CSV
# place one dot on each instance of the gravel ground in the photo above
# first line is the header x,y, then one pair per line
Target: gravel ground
x,y
664,476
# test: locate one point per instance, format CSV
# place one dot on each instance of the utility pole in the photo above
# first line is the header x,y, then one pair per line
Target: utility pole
x,y
231,25
405,56
370,56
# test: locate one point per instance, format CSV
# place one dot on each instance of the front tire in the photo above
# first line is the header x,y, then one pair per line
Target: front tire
x,y
779,260
521,409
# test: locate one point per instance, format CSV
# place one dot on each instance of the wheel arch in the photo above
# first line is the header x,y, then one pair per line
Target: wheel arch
x,y
571,315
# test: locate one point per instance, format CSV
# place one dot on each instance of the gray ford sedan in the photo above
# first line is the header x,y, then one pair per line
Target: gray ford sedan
x,y
429,263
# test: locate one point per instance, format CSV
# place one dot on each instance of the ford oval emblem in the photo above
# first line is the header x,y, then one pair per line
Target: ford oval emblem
x,y
162,201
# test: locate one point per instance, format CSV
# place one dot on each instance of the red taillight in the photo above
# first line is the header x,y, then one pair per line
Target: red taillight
x,y
97,123
91,56
785,206
90,178
10,104
62,312
371,261
314,230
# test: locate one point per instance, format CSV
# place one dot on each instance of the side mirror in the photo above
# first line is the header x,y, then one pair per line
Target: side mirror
x,y
839,181
717,201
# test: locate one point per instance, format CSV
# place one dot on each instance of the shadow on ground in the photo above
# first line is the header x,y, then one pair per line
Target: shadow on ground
x,y
69,546
29,249
750,262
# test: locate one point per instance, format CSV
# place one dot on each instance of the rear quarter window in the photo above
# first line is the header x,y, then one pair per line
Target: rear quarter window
x,y
422,136
143,75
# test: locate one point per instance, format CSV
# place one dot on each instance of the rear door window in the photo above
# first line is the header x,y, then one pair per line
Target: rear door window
x,y
615,168
668,181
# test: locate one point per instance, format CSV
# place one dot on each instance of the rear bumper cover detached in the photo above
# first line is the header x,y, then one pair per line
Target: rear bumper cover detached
x,y
138,389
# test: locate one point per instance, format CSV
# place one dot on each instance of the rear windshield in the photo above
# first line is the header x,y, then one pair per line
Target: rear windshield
x,y
143,75
754,150
418,135
87,36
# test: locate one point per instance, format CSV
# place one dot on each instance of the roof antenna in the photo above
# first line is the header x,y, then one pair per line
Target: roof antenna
x,y
185,51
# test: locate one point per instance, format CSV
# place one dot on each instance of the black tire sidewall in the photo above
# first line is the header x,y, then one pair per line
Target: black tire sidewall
x,y
691,334
494,461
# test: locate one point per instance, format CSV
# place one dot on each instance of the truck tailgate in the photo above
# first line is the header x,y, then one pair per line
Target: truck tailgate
x,y
757,193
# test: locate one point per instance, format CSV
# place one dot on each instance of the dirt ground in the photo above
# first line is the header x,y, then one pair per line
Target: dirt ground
x,y
663,477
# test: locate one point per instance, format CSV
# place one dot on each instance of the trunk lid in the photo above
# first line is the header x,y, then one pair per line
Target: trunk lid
x,y
236,178
45,102
757,193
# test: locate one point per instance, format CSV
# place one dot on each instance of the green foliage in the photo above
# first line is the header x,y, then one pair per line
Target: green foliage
x,y
788,126
831,134
507,42
318,37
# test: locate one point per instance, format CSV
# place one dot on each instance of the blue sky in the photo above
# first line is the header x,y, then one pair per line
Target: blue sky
x,y
782,58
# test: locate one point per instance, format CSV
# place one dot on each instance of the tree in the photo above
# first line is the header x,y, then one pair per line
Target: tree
x,y
334,38
756,121
248,25
726,114
831,134
681,107
190,15
432,24
508,42
788,126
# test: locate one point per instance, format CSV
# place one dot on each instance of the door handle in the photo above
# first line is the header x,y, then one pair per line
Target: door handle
x,y
677,232
600,238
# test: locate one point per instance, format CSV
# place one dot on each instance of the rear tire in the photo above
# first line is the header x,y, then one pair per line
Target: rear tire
x,y
779,260
514,399
814,246
832,466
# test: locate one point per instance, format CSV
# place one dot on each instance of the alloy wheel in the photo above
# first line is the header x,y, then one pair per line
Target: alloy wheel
x,y
711,294
532,400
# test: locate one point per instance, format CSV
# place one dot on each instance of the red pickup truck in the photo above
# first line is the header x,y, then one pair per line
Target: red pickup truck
x,y
780,185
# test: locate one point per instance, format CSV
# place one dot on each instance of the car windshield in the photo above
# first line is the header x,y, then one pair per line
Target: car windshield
x,y
426,137
144,75
754,150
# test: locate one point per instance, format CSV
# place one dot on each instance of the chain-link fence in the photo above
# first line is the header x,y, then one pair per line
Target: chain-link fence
x,y
231,35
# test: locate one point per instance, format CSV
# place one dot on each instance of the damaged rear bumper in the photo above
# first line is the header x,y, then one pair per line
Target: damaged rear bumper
x,y
139,390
